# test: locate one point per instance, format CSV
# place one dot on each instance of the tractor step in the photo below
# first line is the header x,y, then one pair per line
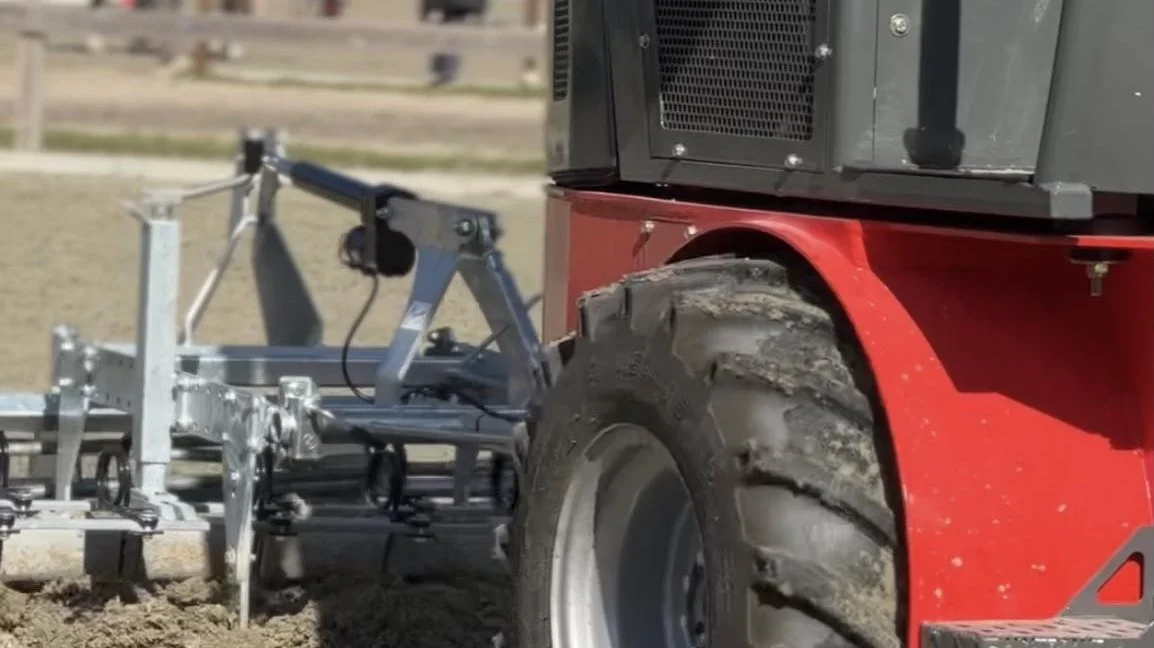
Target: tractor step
x,y
1086,621
1060,632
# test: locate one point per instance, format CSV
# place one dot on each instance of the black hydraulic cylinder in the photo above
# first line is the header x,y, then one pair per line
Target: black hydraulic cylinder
x,y
378,249
327,184
338,188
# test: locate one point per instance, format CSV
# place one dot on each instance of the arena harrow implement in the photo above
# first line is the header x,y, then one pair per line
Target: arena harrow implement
x,y
303,451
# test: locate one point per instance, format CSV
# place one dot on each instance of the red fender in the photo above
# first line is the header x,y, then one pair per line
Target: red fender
x,y
1021,407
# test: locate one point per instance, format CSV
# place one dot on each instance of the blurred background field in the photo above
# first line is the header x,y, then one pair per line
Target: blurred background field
x,y
348,98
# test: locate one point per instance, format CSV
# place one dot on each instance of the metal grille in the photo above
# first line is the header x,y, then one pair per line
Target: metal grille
x,y
737,67
560,49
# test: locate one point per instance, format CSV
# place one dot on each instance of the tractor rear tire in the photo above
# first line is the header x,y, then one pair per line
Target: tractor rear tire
x,y
735,376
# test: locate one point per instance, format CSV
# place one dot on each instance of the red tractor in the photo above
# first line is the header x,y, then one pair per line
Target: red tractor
x,y
879,372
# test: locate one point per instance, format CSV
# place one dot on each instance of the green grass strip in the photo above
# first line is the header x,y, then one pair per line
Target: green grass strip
x,y
194,147
451,90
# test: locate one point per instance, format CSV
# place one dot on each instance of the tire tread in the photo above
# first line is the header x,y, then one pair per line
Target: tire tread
x,y
802,360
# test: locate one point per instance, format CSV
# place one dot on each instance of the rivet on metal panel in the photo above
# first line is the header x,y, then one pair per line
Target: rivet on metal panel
x,y
899,24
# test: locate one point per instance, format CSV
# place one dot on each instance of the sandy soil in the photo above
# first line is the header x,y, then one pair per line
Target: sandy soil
x,y
68,256
436,611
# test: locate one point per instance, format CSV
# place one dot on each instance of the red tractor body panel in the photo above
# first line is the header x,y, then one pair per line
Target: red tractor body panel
x,y
1021,407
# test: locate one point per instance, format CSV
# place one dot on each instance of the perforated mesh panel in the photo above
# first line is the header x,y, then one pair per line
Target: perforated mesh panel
x,y
560,49
737,67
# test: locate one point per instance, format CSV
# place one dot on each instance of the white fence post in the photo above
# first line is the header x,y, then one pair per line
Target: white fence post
x,y
30,57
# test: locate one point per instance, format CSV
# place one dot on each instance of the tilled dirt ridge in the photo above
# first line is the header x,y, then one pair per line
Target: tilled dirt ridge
x,y
430,611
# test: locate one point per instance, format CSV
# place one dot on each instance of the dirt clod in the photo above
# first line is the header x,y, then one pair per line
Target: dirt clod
x,y
458,611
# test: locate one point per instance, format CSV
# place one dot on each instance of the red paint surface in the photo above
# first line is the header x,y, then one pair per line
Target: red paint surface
x,y
1020,406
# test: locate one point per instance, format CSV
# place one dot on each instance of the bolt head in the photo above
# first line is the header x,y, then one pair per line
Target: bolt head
x,y
679,150
793,161
823,52
648,226
899,24
464,227
690,231
643,41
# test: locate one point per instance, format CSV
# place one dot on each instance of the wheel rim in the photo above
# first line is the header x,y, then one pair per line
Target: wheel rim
x,y
628,567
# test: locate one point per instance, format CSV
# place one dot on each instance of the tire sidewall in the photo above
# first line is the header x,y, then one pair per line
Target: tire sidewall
x,y
625,377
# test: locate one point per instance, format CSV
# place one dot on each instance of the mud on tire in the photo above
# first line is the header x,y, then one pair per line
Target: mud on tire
x,y
743,378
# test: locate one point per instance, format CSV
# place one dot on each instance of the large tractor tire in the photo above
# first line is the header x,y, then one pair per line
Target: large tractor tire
x,y
707,471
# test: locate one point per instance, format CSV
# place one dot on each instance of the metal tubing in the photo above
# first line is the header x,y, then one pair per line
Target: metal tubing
x,y
154,410
212,281
530,304
90,447
219,186
420,425
323,183
502,307
381,526
435,269
70,375
40,413
206,488
288,312
238,198
98,524
253,366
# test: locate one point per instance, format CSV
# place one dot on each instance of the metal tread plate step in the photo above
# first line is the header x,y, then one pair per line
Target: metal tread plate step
x,y
1059,632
